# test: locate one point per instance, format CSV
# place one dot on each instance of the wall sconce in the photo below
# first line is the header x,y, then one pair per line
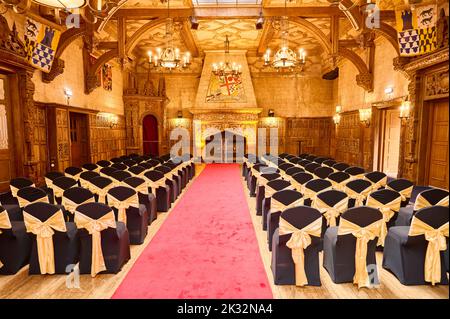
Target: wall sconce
x,y
405,109
112,120
271,113
68,94
365,115
337,116
389,90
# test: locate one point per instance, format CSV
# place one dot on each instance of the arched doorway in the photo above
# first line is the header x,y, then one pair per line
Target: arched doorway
x,y
150,135
227,154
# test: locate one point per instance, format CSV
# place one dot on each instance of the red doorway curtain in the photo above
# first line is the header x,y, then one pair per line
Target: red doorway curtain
x,y
150,135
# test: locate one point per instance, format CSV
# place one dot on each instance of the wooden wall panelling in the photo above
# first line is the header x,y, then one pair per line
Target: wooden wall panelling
x,y
106,141
428,76
314,134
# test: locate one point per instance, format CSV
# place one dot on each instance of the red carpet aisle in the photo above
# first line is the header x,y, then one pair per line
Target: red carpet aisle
x,y
206,248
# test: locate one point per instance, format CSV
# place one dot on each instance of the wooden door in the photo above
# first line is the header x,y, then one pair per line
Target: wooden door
x,y
78,139
391,142
437,163
7,168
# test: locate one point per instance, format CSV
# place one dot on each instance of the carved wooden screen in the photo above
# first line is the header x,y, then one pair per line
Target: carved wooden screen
x,y
106,141
308,135
7,170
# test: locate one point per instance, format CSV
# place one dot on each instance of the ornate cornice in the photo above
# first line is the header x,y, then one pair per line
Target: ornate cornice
x,y
427,61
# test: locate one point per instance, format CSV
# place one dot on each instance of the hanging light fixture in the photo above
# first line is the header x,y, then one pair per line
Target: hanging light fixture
x,y
226,67
337,116
285,58
170,57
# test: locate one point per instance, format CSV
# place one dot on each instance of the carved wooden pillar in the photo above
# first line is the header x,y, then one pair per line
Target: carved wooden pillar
x,y
26,92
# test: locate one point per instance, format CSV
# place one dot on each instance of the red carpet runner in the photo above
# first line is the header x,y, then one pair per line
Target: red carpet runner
x,y
206,248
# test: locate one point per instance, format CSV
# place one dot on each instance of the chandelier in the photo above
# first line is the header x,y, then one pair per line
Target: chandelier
x,y
170,57
223,68
285,58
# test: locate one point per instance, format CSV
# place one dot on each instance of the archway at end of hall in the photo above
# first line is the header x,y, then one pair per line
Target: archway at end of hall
x,y
230,149
150,135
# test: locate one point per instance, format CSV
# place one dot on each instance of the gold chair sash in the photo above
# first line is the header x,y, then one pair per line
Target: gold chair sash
x,y
359,176
143,188
123,205
24,202
436,243
84,183
71,206
388,210
421,202
299,241
363,236
94,228
5,223
154,185
101,192
57,191
269,191
331,213
358,197
97,170
14,190
297,186
339,186
48,182
377,185
137,175
44,238
310,194
404,193
276,206
75,177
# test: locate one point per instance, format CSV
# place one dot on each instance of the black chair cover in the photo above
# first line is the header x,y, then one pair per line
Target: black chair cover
x,y
404,255
65,244
283,267
104,163
108,170
339,250
89,166
115,241
341,166
323,172
162,193
15,247
119,166
147,199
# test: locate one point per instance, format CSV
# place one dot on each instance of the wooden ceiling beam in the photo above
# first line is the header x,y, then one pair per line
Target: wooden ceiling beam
x,y
228,13
266,37
107,45
188,39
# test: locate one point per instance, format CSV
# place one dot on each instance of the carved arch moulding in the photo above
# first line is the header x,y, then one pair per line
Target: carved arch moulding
x,y
364,78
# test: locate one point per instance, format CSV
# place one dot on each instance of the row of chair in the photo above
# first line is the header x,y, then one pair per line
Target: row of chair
x,y
87,215
305,212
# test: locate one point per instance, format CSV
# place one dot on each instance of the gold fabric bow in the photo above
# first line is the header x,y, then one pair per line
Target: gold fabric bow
x,y
14,190
276,206
359,176
309,193
299,241
154,185
377,185
123,205
436,244
5,223
388,210
363,236
338,186
404,193
358,197
142,188
269,191
94,228
331,213
297,186
421,202
71,206
24,202
101,192
44,238
75,177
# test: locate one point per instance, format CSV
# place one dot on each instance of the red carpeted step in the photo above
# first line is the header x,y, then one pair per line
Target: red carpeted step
x,y
206,248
